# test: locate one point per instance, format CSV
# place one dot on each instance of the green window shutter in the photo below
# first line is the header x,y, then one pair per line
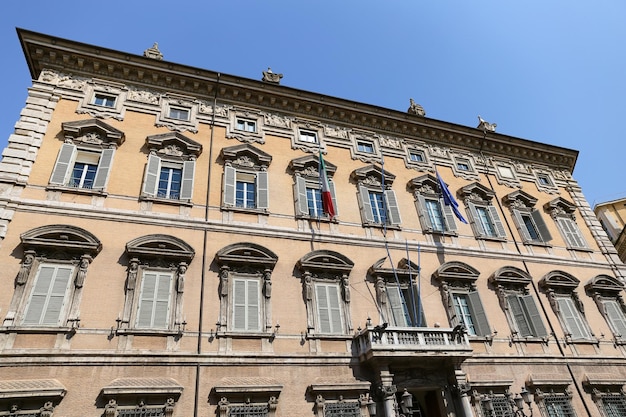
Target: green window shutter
x,y
230,176
517,311
398,317
533,316
572,319
331,185
366,207
475,220
497,223
154,300
151,178
187,182
542,228
616,317
104,167
422,213
302,206
448,216
262,189
521,226
48,296
393,211
478,314
63,166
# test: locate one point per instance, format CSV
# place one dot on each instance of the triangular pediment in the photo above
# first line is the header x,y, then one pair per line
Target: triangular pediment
x,y
174,141
247,152
374,171
311,162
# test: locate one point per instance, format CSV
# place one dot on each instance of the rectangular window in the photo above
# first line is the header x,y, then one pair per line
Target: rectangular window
x,y
104,100
314,202
166,179
248,410
544,180
558,405
463,165
246,305
169,183
416,156
245,190
463,313
85,168
531,226
246,125
435,215
155,300
308,136
501,407
614,405
329,314
405,309
82,168
342,409
574,323
48,296
365,147
308,198
506,172
526,316
485,221
378,207
179,113
468,310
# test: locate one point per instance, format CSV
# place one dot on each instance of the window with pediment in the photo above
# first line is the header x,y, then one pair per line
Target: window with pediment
x,y
245,288
141,397
307,188
560,288
155,283
30,397
340,398
377,201
511,285
564,214
170,170
246,181
461,299
607,292
483,214
528,220
607,391
85,159
397,293
326,290
247,397
435,216
492,399
48,286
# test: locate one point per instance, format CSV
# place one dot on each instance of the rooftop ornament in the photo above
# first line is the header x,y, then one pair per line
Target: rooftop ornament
x,y
271,77
415,109
486,126
153,52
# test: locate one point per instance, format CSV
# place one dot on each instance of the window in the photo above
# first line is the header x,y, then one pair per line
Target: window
x,y
179,113
365,147
307,187
171,166
340,399
494,404
48,287
463,166
563,213
245,288
307,136
245,397
557,405
511,285
397,295
484,216
326,290
460,296
104,100
613,404
506,172
155,282
246,125
246,183
416,156
378,207
85,160
529,222
141,397
30,397
560,289
544,180
606,291
435,216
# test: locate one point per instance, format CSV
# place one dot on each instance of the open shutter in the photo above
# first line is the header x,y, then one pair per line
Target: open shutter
x,y
448,216
533,315
453,310
331,185
366,206
478,314
517,311
397,308
521,226
479,231
104,167
253,305
186,186
63,166
302,205
262,189
542,228
497,223
393,212
230,176
422,213
151,178
616,317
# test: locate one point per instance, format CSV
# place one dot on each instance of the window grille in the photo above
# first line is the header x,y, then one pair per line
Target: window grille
x,y
501,407
558,405
343,409
141,412
249,410
614,405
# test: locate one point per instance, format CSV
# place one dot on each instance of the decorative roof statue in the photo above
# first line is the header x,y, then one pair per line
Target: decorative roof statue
x,y
271,77
486,126
153,52
416,109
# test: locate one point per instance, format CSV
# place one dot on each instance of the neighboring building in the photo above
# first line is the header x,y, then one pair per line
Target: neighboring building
x,y
166,252
612,216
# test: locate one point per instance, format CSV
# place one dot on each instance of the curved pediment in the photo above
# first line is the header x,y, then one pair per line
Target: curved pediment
x,y
604,283
174,143
325,260
61,237
559,279
92,131
383,268
160,246
456,271
246,253
510,275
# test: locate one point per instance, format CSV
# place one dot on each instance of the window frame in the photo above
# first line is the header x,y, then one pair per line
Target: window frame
x,y
522,207
171,103
243,124
370,181
607,291
545,399
426,189
106,96
245,160
305,134
564,215
478,200
307,177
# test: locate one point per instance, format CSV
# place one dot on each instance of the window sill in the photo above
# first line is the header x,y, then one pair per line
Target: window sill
x,y
76,190
439,233
325,336
588,250
381,226
324,219
245,210
244,335
591,341
537,243
38,330
491,238
170,201
147,332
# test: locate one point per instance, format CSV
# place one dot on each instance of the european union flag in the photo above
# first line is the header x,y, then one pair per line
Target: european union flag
x,y
449,200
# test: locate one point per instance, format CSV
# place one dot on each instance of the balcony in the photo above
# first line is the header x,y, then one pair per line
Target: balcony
x,y
378,342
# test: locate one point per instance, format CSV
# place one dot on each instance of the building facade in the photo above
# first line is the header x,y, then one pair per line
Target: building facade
x,y
167,252
612,215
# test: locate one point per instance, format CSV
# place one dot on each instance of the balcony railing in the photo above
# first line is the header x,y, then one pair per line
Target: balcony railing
x,y
379,341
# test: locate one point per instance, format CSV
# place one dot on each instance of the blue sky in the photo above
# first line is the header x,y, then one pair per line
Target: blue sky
x,y
552,72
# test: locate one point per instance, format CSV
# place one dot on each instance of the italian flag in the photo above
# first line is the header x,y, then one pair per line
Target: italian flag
x,y
327,200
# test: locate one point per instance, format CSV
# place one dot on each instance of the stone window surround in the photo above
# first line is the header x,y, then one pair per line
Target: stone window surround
x,y
169,100
427,186
328,391
153,393
477,195
109,88
372,178
306,168
604,287
247,390
524,203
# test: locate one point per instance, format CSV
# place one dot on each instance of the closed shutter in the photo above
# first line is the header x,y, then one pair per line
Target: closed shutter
x,y
331,185
521,226
616,317
422,213
262,189
302,205
497,223
397,306
572,319
104,167
328,308
48,296
366,206
186,186
154,300
246,305
448,216
517,311
479,231
478,314
393,212
571,233
63,166
533,316
151,178
542,228
230,176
